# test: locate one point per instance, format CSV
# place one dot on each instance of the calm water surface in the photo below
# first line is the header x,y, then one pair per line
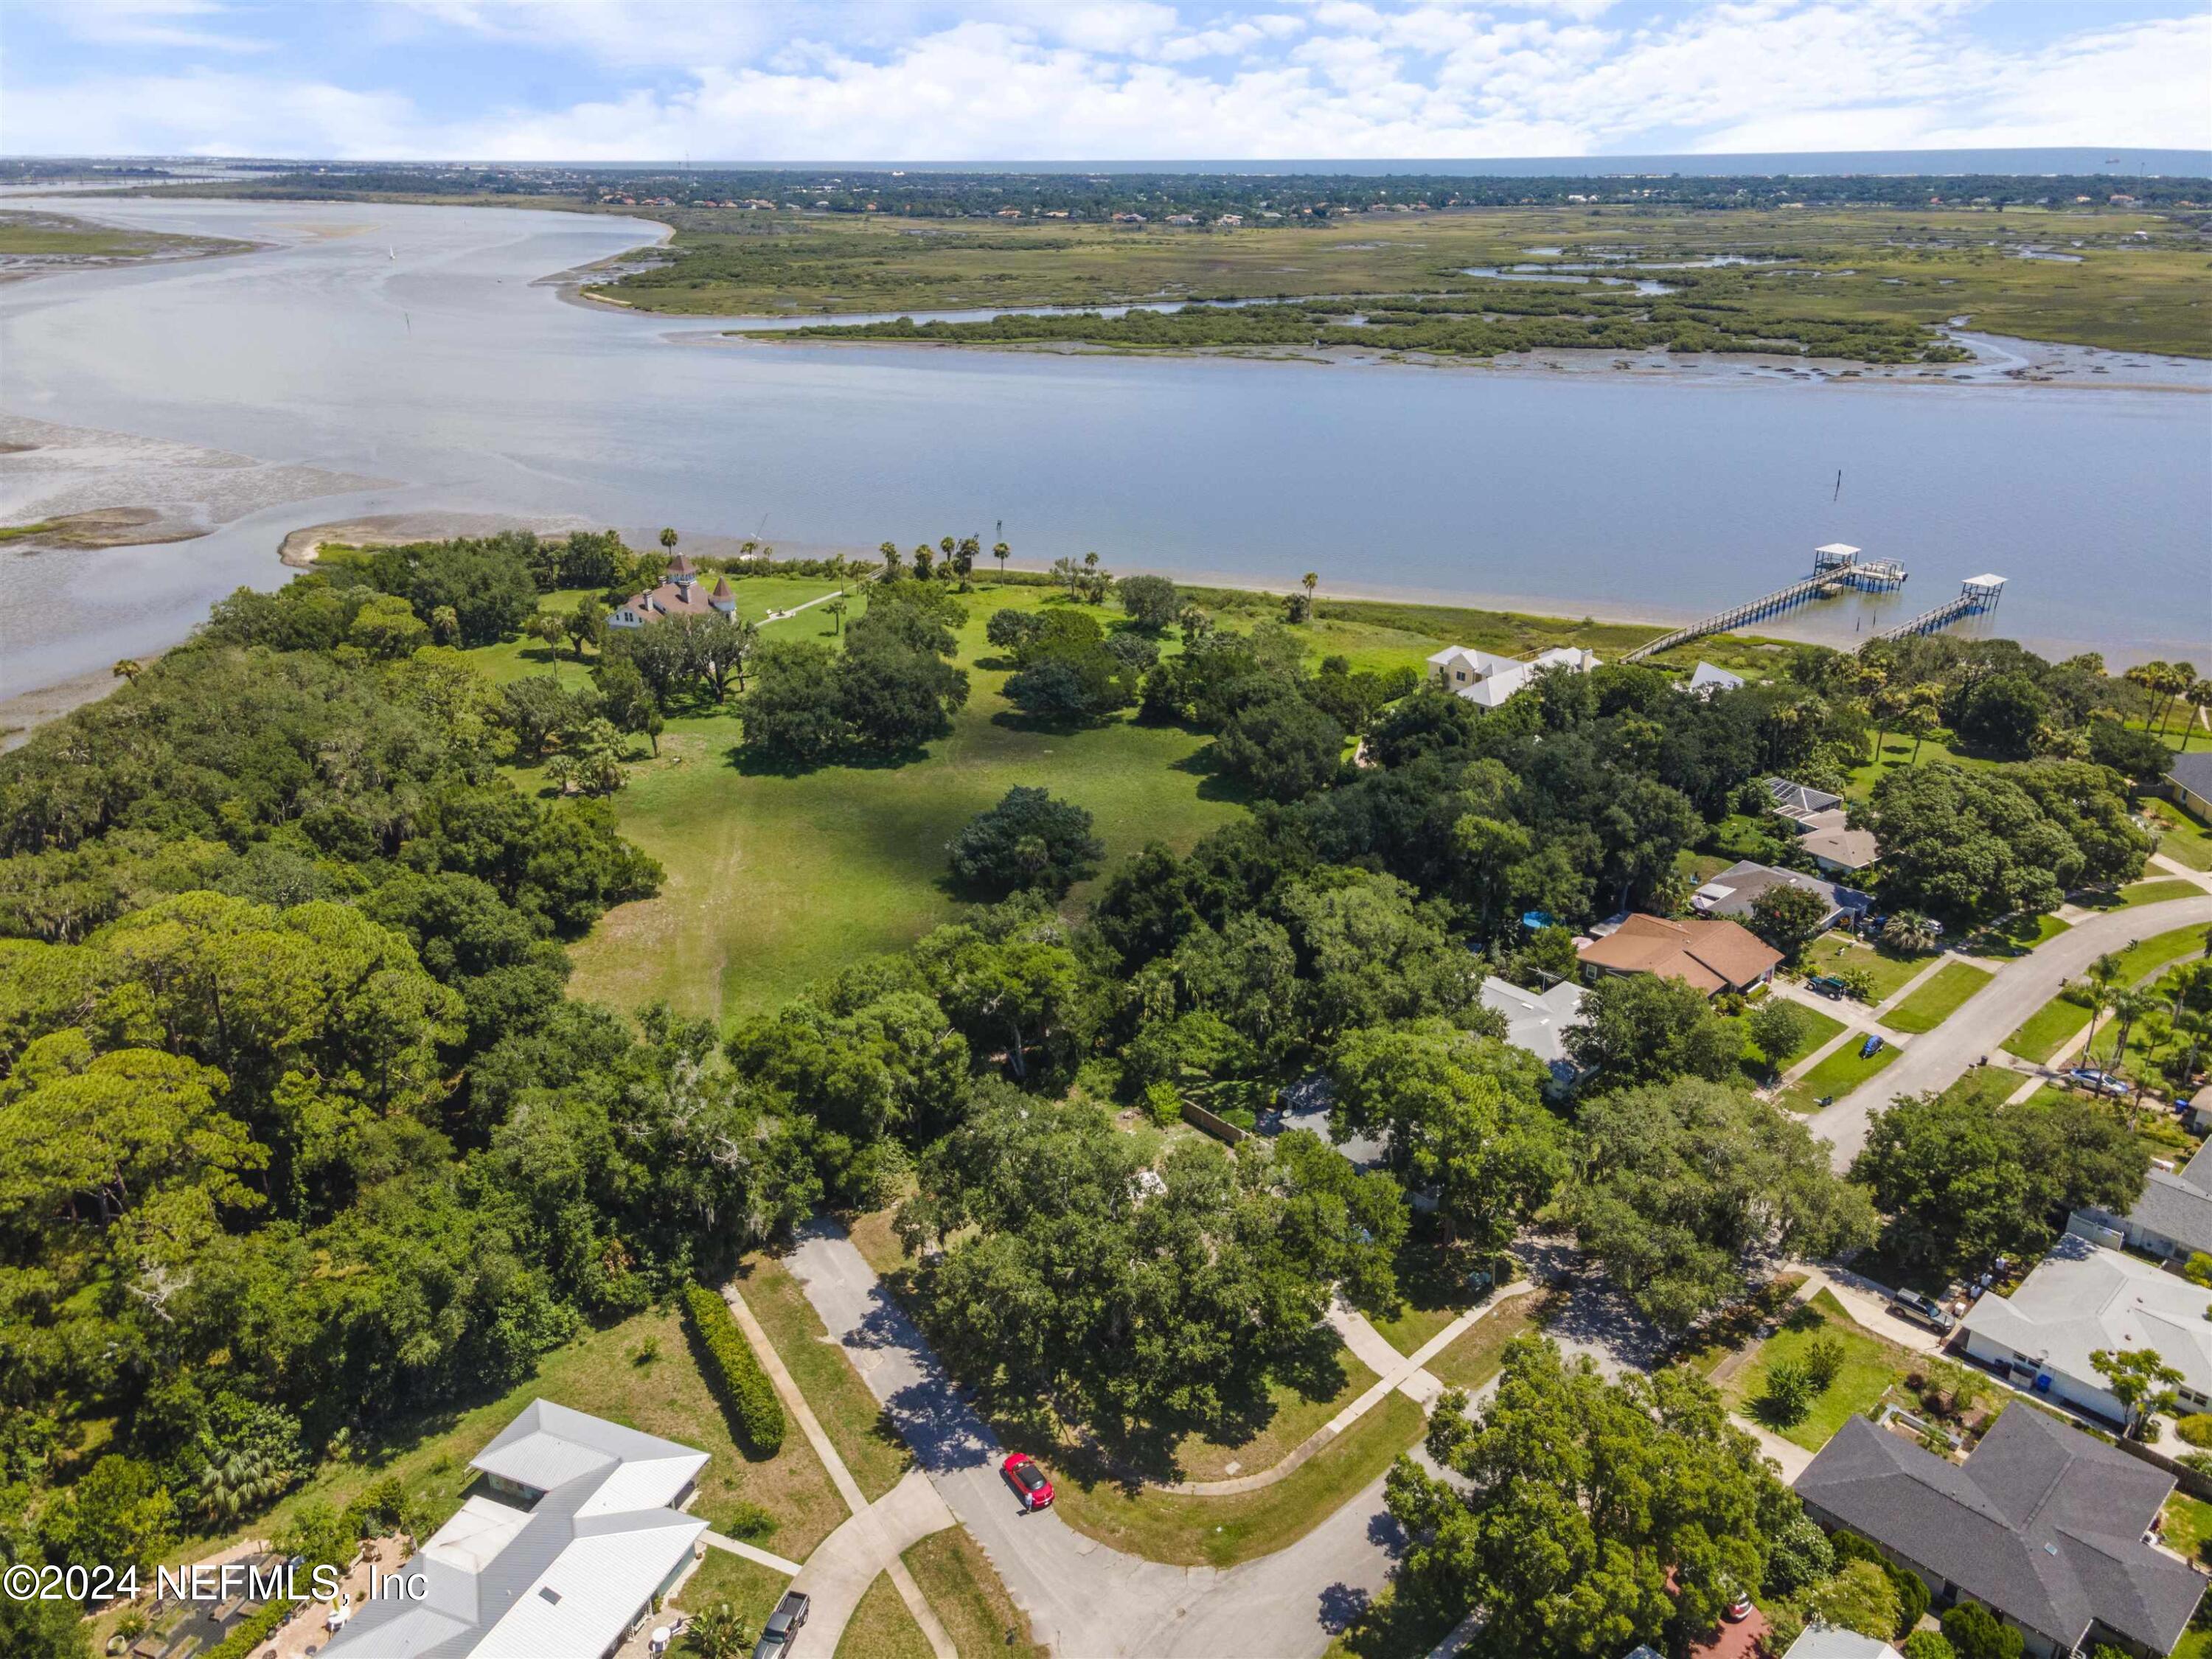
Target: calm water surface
x,y
415,345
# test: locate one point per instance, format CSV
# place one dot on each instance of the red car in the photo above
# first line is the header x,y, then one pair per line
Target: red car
x,y
1027,1480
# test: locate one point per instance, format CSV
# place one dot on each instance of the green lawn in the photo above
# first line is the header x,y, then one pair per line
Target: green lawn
x,y
1889,969
2182,836
850,1415
2157,892
1475,1355
1838,1075
1222,1531
2014,937
640,1373
2189,1526
750,1588
775,881
1870,1365
882,1628
1819,1027
1937,998
1415,1326
957,1580
2046,1031
1293,1417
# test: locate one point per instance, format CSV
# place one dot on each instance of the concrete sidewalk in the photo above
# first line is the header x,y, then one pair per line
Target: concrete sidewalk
x,y
838,1574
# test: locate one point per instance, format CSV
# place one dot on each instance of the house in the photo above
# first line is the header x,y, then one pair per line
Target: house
x,y
1538,1023
679,595
581,1531
2173,1216
1713,956
2189,777
2081,1299
1830,1642
1488,681
1822,828
1708,679
2200,1109
2041,1524
1734,891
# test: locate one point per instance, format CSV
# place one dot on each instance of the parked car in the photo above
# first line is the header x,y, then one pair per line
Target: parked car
x,y
2103,1083
1827,985
783,1626
1027,1480
1922,1310
1738,1610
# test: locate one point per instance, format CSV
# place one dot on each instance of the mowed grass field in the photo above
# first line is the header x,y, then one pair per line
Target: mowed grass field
x,y
775,881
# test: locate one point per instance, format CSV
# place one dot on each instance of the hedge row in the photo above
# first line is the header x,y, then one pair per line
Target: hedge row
x,y
746,1393
257,1628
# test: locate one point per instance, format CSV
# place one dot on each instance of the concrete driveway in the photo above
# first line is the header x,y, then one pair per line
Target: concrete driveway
x,y
1089,1601
1979,1026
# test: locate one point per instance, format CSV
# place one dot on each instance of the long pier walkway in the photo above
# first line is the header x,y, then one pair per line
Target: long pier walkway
x,y
1835,567
1977,596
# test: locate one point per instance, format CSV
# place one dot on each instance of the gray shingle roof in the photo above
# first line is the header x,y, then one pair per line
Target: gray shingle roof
x,y
2176,1207
2042,1522
2193,772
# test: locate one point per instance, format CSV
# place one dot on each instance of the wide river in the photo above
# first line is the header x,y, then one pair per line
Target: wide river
x,y
416,348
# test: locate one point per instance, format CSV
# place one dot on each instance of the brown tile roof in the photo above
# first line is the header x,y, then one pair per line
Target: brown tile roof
x,y
1712,955
722,588
681,566
670,600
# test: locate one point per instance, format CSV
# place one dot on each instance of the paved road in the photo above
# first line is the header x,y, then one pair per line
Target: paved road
x,y
1936,1059
1089,1601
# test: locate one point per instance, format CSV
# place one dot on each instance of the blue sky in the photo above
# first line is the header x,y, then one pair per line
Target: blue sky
x,y
634,80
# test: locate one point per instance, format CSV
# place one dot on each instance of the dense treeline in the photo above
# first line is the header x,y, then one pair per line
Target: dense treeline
x,y
1480,321
298,1128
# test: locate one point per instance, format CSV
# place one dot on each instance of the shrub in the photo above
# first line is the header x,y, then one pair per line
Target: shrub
x,y
247,1636
749,1522
2198,1270
1928,1645
746,1393
1974,1633
1824,1360
1163,1104
1789,1392
2196,1429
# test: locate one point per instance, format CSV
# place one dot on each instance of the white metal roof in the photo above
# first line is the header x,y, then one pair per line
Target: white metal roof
x,y
2082,1297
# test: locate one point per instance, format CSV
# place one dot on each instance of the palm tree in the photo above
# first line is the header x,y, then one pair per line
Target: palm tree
x,y
2128,1007
1002,552
2199,698
836,609
668,541
127,668
924,557
1309,581
2150,678
1887,707
891,554
2102,973
719,1632
1918,721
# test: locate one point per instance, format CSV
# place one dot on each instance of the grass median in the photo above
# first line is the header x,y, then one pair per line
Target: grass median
x,y
1220,1532
850,1415
1839,1074
1937,998
882,1628
958,1583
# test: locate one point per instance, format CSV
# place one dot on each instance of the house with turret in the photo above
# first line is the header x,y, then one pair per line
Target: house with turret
x,y
681,593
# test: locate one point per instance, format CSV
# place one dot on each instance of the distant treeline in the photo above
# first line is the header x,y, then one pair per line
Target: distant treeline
x,y
1283,198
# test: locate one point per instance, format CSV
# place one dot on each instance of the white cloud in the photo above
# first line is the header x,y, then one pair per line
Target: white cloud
x,y
1029,79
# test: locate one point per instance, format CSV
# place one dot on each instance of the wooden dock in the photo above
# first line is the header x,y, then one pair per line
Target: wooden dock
x,y
1835,568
